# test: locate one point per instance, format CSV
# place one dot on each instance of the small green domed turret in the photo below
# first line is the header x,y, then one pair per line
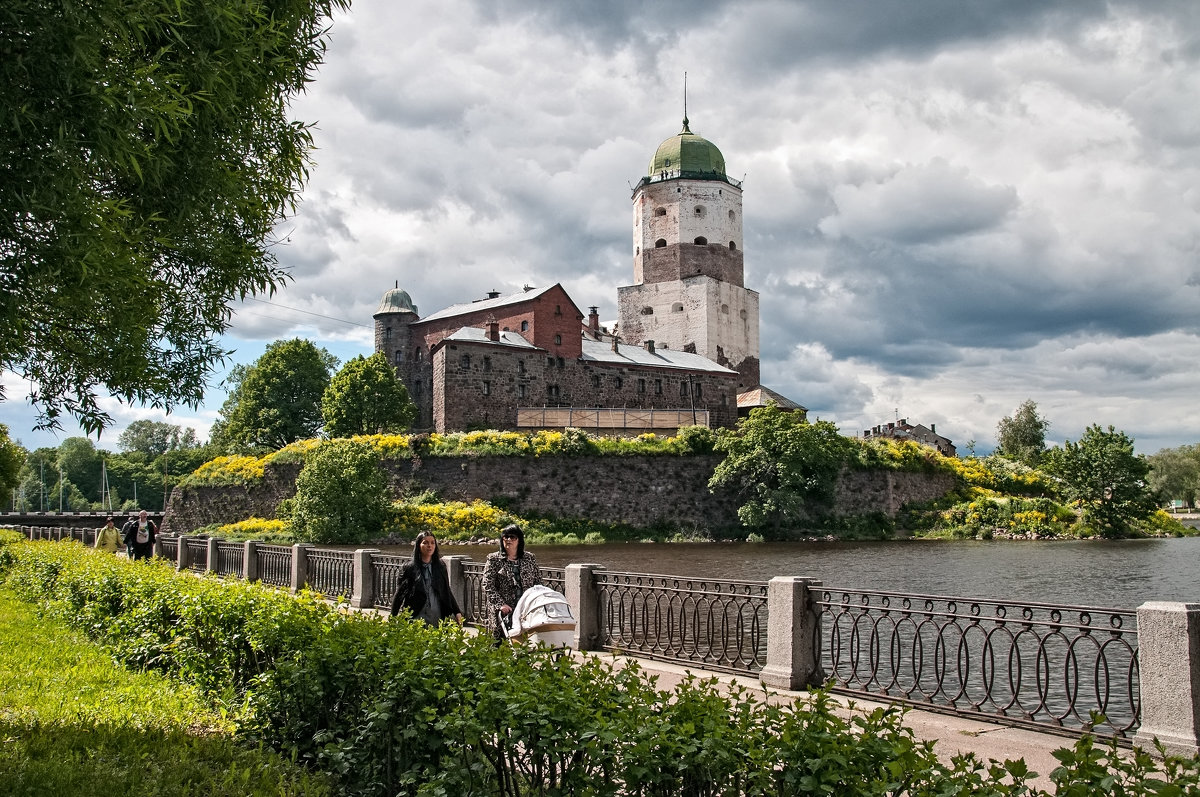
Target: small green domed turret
x,y
396,301
688,155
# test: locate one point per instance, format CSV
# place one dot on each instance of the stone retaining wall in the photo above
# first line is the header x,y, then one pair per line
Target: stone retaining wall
x,y
640,491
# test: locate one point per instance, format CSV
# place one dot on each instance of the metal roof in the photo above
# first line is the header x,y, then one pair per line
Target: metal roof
x,y
627,354
759,396
487,304
477,335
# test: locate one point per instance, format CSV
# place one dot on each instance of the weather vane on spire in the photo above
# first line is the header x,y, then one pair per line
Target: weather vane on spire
x,y
685,119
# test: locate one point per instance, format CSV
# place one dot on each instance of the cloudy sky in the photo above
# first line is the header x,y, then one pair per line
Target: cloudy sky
x,y
950,206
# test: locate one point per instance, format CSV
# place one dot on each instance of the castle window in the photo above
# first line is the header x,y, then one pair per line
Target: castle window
x,y
742,313
658,387
595,380
683,389
417,355
700,241
732,216
700,211
524,326
399,357
387,334
558,340
549,362
520,391
558,309
660,211
732,246
619,382
487,363
724,309
660,243
487,388
520,366
641,385
560,362
647,310
417,388
464,361
677,307
552,391
696,390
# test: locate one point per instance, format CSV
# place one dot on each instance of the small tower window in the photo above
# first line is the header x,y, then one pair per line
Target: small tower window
x,y
464,361
732,215
399,357
724,309
387,334
660,211
558,340
647,310
700,211
487,388
700,241
677,307
660,243
524,326
732,246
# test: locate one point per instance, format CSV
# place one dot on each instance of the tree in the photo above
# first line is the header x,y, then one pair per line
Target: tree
x,y
782,468
1175,473
1102,474
277,400
366,397
146,156
340,494
12,457
155,438
1023,435
79,462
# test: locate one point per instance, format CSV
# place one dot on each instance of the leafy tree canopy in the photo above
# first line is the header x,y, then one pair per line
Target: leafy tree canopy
x,y
1175,473
1106,477
781,467
366,397
1023,435
146,155
12,457
277,400
155,438
341,494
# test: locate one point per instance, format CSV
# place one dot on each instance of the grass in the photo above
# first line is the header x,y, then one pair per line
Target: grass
x,y
74,722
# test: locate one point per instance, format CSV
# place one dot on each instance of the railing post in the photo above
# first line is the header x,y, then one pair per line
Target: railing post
x,y
250,560
362,582
299,566
456,577
579,581
182,554
1169,671
793,634
213,562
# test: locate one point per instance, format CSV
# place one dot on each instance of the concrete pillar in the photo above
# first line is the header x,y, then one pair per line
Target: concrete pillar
x,y
155,549
584,598
362,581
793,636
1169,671
250,560
299,566
181,558
214,558
457,577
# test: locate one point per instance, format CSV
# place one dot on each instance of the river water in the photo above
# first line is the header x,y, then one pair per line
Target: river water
x,y
1118,574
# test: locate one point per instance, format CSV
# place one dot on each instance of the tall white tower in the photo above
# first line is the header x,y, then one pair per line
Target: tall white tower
x,y
688,290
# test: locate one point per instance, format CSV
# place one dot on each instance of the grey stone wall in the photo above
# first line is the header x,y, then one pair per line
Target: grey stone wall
x,y
639,491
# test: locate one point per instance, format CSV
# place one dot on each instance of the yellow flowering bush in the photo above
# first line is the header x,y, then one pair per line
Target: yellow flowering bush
x,y
227,470
452,520
253,528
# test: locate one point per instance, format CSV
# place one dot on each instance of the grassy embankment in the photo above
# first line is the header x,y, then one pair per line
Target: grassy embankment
x,y
73,722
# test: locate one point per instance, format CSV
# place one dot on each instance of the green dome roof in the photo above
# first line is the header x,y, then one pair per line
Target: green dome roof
x,y
689,155
396,301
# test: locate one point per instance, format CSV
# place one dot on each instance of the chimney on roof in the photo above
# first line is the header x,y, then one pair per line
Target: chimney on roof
x,y
493,330
493,294
904,421
650,346
933,428
527,287
594,319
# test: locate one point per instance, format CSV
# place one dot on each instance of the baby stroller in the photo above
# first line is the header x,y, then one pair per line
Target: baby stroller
x,y
541,617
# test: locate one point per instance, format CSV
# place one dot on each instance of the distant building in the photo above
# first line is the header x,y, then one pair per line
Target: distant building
x,y
903,430
762,396
684,352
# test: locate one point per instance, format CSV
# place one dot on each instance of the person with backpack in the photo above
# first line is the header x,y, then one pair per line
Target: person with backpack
x,y
138,534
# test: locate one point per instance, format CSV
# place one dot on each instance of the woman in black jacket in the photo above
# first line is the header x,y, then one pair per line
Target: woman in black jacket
x,y
424,588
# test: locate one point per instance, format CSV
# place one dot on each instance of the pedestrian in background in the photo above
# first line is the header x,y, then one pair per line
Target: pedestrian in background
x,y
424,588
108,538
138,534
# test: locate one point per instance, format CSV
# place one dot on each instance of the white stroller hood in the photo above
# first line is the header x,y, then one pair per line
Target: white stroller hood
x,y
541,610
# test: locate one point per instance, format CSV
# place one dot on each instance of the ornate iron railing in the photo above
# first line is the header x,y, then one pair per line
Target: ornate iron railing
x,y
330,572
554,577
169,548
385,577
197,554
474,606
230,558
1038,665
721,625
275,565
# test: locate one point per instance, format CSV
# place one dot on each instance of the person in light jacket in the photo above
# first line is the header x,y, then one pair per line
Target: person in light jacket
x,y
424,587
108,538
506,574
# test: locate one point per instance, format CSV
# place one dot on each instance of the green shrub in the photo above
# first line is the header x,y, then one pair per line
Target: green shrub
x,y
340,495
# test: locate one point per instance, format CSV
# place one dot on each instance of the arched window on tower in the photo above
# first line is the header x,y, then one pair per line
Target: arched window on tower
x,y
677,307
660,211
700,241
732,246
647,310
399,357
660,243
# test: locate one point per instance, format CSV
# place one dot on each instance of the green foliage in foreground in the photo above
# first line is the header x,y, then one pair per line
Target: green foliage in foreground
x,y
74,722
340,495
398,708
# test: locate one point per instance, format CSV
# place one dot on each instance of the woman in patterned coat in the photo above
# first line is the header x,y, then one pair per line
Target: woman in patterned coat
x,y
507,573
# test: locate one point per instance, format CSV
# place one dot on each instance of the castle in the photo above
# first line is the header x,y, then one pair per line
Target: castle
x,y
685,350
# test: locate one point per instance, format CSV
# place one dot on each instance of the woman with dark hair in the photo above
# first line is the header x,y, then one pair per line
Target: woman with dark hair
x,y
424,588
506,574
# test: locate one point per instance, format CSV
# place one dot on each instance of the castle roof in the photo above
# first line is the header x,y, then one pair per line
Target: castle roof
x,y
760,396
396,301
488,304
689,155
477,335
628,354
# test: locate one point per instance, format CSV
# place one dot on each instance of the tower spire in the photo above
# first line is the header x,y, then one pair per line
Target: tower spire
x,y
685,119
